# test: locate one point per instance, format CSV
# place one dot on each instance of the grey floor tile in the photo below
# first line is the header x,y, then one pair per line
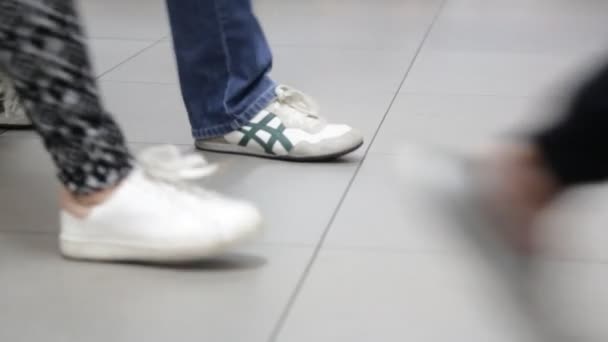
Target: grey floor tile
x,y
297,200
399,204
497,73
544,9
572,298
235,297
573,228
29,200
118,19
460,122
320,68
357,71
148,112
372,296
359,24
109,53
383,211
521,26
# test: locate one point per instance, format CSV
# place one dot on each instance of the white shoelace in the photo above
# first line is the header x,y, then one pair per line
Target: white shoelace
x,y
169,165
295,108
172,175
296,99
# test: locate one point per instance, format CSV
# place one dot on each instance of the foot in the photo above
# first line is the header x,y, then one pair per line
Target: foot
x,y
155,215
518,187
12,113
290,129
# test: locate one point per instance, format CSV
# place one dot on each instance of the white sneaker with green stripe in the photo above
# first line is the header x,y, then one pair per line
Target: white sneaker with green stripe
x,y
290,129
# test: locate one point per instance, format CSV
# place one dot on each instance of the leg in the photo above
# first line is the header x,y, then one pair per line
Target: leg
x,y
41,48
568,153
574,149
223,60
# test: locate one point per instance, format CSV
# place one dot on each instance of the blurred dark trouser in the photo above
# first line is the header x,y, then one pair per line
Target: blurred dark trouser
x,y
576,147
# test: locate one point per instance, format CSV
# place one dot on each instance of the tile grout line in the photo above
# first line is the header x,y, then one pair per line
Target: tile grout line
x,y
137,54
274,335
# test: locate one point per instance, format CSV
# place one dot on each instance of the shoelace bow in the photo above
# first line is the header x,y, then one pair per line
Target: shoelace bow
x,y
168,164
297,100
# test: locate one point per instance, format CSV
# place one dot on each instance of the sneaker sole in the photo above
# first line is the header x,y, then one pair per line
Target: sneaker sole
x,y
95,250
240,150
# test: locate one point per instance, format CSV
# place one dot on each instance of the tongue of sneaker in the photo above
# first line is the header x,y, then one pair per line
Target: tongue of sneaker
x,y
296,110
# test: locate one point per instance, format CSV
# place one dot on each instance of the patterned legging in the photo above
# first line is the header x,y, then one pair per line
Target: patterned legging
x,y
42,49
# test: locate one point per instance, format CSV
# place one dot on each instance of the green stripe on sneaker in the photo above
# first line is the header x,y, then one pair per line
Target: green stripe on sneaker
x,y
276,134
282,138
255,127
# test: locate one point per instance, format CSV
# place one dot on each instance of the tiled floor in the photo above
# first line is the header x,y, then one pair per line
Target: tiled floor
x,y
351,252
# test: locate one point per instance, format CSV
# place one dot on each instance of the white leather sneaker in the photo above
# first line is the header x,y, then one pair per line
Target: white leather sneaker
x,y
156,215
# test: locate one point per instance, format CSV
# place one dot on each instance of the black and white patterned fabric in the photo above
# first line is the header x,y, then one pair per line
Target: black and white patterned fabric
x,y
42,49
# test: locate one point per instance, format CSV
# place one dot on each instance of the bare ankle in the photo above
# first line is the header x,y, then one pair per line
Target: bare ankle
x,y
529,170
81,205
521,187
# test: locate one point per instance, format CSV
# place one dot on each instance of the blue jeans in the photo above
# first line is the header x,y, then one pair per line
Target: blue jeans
x,y
223,61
